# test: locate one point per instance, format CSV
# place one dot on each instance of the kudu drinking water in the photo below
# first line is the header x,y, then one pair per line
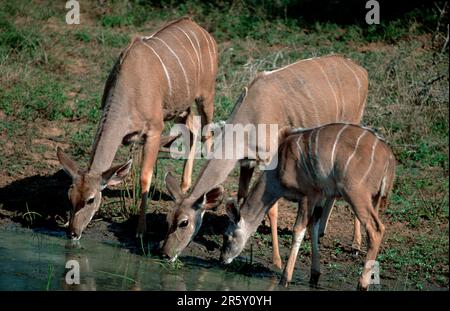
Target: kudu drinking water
x,y
308,93
335,160
155,79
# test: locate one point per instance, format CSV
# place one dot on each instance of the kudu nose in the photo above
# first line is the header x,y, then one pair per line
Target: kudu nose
x,y
72,235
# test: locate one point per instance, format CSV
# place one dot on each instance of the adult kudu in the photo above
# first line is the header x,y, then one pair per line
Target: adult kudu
x,y
306,94
155,79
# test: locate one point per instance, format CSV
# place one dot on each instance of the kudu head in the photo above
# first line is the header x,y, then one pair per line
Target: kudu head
x,y
236,234
85,193
186,218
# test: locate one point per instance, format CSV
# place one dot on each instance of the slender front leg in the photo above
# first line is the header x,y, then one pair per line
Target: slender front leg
x,y
298,233
314,227
273,218
149,155
357,238
305,211
194,128
205,106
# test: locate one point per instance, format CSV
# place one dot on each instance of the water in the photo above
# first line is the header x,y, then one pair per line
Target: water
x,y
36,261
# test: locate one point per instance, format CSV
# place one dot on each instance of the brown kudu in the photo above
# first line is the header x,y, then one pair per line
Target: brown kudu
x,y
335,160
155,79
308,93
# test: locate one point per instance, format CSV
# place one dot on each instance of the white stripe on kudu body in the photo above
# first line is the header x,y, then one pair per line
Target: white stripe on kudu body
x,y
353,153
371,159
331,87
340,95
185,49
356,77
308,95
199,49
169,82
193,47
179,62
335,144
319,163
209,51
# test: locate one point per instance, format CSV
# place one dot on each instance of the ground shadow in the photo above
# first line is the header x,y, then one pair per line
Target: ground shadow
x,y
36,201
41,201
157,227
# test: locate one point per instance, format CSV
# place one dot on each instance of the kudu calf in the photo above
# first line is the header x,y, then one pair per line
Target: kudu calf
x,y
155,79
336,160
308,93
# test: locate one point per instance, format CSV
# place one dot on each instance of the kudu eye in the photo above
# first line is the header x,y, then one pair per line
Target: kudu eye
x,y
183,223
90,201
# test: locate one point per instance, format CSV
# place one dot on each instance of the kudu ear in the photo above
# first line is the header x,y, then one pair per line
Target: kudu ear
x,y
231,207
173,186
69,166
212,198
116,174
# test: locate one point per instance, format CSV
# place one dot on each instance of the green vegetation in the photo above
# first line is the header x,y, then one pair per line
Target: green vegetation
x,y
53,76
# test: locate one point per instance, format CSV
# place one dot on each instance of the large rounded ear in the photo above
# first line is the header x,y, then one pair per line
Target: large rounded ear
x,y
212,198
116,174
173,186
232,210
69,166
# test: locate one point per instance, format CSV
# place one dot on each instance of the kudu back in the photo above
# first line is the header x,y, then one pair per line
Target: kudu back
x,y
155,79
308,93
335,160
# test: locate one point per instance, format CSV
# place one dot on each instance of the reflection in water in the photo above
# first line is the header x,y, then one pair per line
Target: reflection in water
x,y
32,261
86,279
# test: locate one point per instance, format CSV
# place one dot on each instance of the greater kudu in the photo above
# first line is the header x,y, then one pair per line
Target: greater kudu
x,y
307,93
335,160
155,79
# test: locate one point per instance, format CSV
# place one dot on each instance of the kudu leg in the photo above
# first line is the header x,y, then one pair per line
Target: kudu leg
x,y
149,155
273,218
305,207
194,128
367,215
205,106
357,238
314,229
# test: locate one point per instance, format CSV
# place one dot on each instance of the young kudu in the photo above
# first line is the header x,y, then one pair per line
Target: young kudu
x,y
155,79
308,93
336,160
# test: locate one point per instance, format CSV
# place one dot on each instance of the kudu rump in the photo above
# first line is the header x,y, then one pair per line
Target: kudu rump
x,y
308,93
336,160
155,79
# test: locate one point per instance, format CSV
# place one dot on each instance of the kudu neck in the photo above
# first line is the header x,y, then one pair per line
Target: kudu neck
x,y
113,126
262,197
213,174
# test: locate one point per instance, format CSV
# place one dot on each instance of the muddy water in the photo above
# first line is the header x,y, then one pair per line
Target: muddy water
x,y
37,261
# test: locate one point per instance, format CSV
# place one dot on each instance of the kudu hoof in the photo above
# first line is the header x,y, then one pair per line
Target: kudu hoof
x,y
362,288
356,250
314,279
284,282
277,263
140,232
